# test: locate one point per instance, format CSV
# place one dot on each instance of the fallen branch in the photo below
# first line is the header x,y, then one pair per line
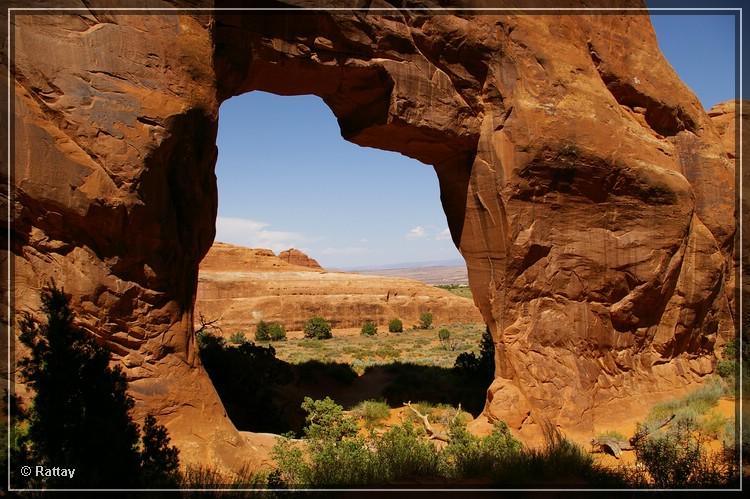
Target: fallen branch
x,y
616,447
431,432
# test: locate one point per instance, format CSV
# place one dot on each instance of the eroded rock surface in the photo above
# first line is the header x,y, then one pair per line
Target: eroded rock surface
x,y
238,287
586,188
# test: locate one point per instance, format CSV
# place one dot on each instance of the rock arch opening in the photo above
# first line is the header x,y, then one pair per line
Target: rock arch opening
x,y
287,180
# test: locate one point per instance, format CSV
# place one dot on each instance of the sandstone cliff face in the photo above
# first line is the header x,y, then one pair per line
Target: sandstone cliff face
x,y
296,257
242,286
587,190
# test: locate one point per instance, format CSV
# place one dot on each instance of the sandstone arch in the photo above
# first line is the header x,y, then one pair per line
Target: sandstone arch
x,y
582,181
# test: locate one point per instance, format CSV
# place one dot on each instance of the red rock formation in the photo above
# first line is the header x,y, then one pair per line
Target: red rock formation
x,y
242,286
296,257
223,257
586,188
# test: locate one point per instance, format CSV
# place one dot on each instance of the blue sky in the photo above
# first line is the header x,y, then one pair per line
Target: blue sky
x,y
287,178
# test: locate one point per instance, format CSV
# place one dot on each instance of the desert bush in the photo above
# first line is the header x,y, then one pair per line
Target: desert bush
x,y
372,412
444,335
425,320
557,464
318,328
712,425
276,332
678,458
445,339
467,456
237,338
404,452
334,456
726,368
369,329
396,326
262,331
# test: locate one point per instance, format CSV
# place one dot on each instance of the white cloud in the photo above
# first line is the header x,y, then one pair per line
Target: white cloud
x,y
346,250
443,235
254,234
417,232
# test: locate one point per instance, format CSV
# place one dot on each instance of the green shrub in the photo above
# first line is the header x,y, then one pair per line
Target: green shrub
x,y
276,332
318,328
336,456
730,350
369,329
326,420
396,326
467,456
262,331
712,425
725,368
678,458
425,320
237,338
404,452
444,335
372,412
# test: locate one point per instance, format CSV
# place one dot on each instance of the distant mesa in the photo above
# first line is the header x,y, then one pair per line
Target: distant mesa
x,y
224,257
294,256
241,286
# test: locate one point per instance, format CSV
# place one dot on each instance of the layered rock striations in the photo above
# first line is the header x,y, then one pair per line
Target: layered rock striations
x,y
238,287
589,193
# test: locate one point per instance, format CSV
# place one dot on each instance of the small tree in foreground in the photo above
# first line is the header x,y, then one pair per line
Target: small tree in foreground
x,y
396,326
160,462
318,328
81,410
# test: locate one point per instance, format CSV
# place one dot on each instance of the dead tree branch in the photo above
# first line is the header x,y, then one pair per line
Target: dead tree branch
x,y
207,324
615,447
431,432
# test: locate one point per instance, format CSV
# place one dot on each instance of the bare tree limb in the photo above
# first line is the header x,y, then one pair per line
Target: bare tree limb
x,y
209,324
431,432
615,447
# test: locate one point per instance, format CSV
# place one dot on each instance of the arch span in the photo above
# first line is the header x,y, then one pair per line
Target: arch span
x,y
582,182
